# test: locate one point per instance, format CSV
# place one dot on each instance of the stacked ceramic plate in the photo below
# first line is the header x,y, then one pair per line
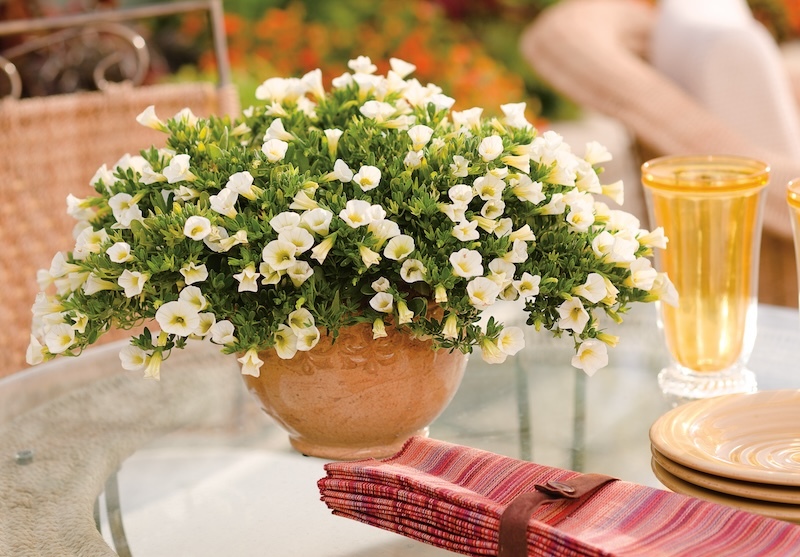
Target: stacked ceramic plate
x,y
739,450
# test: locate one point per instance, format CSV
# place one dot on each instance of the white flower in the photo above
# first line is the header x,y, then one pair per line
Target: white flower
x,y
185,194
520,162
515,115
149,119
482,292
592,355
356,212
377,110
380,285
79,209
251,363
593,290
153,368
362,64
299,272
120,252
466,231
224,202
279,254
302,202
307,338
59,338
456,212
491,353
556,206
207,321
300,237
286,220
194,296
526,189
450,326
300,319
382,302
460,166
242,184
399,247
611,293
368,177
653,239
489,187
615,191
664,290
642,274
528,285
95,284
501,272
285,342
470,118
178,170
89,241
368,256
197,227
103,176
383,229
248,279
343,81
413,270
321,250
178,318
401,67
186,116
192,272
462,193
222,332
573,315
420,136
511,340
132,282
277,131
317,220
493,208
379,329
413,159
491,147
333,136
275,149
404,315
271,276
467,263
580,220
133,358
596,153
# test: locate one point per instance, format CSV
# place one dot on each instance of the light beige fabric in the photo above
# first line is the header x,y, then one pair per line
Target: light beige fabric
x,y
51,147
594,52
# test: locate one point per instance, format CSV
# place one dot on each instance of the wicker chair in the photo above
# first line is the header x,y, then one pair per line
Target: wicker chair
x,y
51,147
595,52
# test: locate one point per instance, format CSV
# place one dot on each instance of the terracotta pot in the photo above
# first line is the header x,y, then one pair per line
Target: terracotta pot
x,y
358,397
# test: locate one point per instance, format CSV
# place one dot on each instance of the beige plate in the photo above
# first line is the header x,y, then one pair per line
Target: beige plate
x,y
749,437
790,513
749,490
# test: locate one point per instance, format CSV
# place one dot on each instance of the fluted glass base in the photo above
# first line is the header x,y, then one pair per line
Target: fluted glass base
x,y
680,384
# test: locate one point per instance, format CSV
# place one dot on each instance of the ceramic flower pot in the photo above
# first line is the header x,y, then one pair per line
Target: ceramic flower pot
x,y
358,397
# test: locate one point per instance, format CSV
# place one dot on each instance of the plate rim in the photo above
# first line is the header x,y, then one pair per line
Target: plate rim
x,y
689,455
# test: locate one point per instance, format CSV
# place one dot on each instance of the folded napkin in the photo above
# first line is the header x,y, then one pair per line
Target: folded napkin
x,y
454,497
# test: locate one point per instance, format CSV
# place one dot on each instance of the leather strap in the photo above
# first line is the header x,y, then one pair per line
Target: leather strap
x,y
513,541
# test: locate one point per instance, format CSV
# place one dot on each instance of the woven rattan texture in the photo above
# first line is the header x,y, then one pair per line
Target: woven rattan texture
x,y
51,147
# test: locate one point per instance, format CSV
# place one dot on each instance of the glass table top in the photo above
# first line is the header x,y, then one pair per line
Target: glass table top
x,y
190,466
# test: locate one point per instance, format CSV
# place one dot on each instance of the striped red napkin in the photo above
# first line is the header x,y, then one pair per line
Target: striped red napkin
x,y
453,497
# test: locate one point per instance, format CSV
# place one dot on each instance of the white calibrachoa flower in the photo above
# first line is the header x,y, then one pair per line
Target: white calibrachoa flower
x,y
275,149
573,315
382,302
197,227
120,252
399,247
192,272
248,279
251,363
133,358
592,355
466,263
132,282
178,318
361,204
367,177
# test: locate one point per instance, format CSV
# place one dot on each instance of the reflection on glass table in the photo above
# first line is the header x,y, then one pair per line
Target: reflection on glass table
x,y
189,465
